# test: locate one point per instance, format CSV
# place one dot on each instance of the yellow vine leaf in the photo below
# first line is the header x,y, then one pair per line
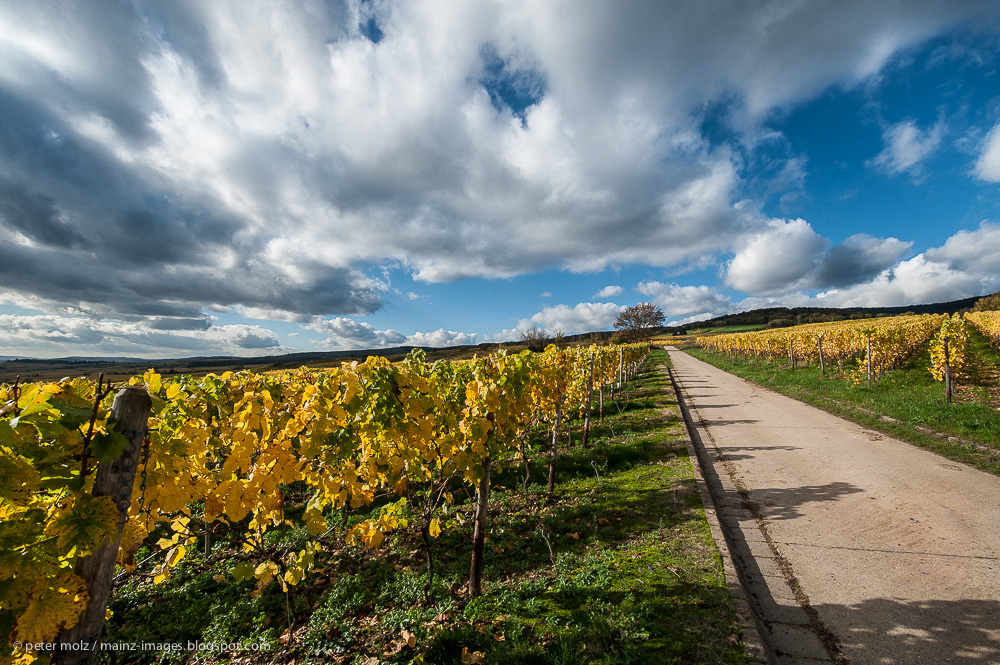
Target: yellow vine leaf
x,y
152,380
265,572
175,555
294,575
132,538
434,528
173,390
55,603
18,478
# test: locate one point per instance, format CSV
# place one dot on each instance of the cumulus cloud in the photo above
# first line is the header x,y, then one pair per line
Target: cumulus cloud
x,y
345,333
682,304
442,337
968,264
906,146
776,258
988,164
48,335
787,255
858,259
582,317
609,292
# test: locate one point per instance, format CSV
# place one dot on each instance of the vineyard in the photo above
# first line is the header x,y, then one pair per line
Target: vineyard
x,y
265,474
897,374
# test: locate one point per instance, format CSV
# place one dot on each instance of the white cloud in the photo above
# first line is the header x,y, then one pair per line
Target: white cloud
x,y
686,303
988,165
776,258
609,292
780,256
906,146
582,317
968,264
347,333
51,336
442,337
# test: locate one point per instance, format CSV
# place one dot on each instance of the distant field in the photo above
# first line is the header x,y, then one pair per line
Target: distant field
x,y
54,370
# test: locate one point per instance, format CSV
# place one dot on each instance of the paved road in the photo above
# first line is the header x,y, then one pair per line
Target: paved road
x,y
890,550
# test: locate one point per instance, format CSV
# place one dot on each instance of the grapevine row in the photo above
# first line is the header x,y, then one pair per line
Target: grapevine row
x,y
872,346
222,449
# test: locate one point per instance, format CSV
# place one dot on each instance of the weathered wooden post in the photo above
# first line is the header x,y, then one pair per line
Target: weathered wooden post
x,y
947,371
79,644
554,451
868,357
590,398
479,532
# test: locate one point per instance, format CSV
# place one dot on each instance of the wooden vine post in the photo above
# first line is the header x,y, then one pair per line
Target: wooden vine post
x,y
554,451
130,409
948,387
479,533
482,513
590,399
822,364
868,357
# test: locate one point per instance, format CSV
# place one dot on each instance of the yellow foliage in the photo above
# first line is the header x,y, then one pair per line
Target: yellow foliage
x,y
55,603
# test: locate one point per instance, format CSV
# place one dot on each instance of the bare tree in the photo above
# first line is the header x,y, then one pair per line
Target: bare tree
x,y
535,338
634,323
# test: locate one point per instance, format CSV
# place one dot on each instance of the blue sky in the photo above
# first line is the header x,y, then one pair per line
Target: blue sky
x,y
247,178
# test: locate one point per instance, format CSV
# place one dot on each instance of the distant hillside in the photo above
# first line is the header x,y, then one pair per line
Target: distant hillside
x,y
791,316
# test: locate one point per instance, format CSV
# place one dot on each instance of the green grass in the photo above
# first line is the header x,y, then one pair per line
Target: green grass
x,y
908,395
619,568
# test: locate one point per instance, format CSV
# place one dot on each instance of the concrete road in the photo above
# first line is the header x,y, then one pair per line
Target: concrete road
x,y
894,550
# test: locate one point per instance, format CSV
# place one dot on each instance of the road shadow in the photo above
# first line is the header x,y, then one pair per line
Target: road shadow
x,y
782,503
727,453
716,406
735,421
898,632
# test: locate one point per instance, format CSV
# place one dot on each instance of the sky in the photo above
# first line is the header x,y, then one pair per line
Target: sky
x,y
247,177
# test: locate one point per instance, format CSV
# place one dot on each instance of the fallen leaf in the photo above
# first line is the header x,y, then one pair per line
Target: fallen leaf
x,y
474,658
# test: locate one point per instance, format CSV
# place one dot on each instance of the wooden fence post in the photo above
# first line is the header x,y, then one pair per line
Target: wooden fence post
x,y
131,408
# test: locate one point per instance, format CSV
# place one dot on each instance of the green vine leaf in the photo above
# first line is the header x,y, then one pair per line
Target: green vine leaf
x,y
84,525
108,446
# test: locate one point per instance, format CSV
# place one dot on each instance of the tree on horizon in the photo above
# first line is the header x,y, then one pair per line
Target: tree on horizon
x,y
636,322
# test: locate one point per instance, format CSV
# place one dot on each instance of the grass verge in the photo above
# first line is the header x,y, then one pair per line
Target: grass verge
x,y
906,403
619,568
